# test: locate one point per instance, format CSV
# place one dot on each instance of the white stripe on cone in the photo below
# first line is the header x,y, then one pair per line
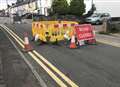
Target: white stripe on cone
x,y
73,39
26,41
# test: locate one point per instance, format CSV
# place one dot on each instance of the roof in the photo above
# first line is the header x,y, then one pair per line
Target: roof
x,y
23,3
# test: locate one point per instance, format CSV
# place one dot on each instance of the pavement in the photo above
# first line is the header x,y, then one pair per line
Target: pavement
x,y
5,20
113,39
88,66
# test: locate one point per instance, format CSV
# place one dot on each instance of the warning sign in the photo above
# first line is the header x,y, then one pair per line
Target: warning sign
x,y
84,32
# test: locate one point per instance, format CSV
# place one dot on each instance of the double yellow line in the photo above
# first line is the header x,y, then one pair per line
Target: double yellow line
x,y
40,59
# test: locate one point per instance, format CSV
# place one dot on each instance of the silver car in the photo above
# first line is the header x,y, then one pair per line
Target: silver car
x,y
98,18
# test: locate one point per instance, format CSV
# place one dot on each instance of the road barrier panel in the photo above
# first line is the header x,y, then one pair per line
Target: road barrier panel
x,y
85,34
55,31
52,31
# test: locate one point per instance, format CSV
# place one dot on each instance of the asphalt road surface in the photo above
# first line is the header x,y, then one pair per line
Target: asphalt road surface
x,y
14,72
88,66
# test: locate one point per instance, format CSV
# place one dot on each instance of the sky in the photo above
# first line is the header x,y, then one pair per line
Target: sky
x,y
3,3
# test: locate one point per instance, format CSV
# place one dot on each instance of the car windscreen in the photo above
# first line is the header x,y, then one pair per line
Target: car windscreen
x,y
95,15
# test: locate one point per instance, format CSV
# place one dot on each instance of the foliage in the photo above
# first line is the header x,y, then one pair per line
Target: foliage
x,y
59,7
77,7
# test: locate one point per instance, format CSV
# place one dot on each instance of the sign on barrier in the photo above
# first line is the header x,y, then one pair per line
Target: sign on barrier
x,y
54,29
84,32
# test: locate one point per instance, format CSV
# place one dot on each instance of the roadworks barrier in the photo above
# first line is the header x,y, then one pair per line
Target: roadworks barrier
x,y
52,31
56,31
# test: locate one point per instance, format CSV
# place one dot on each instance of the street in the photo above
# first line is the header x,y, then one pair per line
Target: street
x,y
14,72
88,66
59,43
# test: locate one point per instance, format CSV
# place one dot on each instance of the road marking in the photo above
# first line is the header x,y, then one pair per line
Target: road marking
x,y
56,70
69,81
52,75
48,70
16,39
39,78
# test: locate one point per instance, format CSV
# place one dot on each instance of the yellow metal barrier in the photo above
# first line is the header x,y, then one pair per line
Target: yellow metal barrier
x,y
52,31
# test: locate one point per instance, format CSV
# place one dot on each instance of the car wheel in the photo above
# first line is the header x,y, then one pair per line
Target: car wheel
x,y
97,22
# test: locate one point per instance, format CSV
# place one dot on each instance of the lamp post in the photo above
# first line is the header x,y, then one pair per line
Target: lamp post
x,y
92,3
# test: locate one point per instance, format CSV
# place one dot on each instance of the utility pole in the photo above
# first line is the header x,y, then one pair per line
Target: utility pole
x,y
91,3
7,7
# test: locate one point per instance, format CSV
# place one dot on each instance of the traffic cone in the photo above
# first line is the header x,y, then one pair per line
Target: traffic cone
x,y
27,45
73,44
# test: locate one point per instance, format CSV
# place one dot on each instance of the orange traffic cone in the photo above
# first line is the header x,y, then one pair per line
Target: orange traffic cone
x,y
27,45
73,44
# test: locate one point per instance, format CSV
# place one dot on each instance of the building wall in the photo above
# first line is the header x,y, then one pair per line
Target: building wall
x,y
23,9
108,6
43,6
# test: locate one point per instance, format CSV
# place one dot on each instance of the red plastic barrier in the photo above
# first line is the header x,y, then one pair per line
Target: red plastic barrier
x,y
84,32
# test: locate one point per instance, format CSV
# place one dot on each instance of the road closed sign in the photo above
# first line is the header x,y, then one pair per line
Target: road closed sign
x,y
84,32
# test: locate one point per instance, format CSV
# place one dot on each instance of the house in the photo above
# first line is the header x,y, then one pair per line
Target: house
x,y
108,6
31,6
42,6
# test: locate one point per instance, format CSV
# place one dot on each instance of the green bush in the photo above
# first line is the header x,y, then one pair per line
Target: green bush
x,y
59,7
102,32
77,7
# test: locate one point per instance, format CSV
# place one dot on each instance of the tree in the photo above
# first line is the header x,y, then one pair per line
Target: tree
x,y
60,7
77,7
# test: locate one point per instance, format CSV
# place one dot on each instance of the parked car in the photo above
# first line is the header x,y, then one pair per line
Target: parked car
x,y
98,18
